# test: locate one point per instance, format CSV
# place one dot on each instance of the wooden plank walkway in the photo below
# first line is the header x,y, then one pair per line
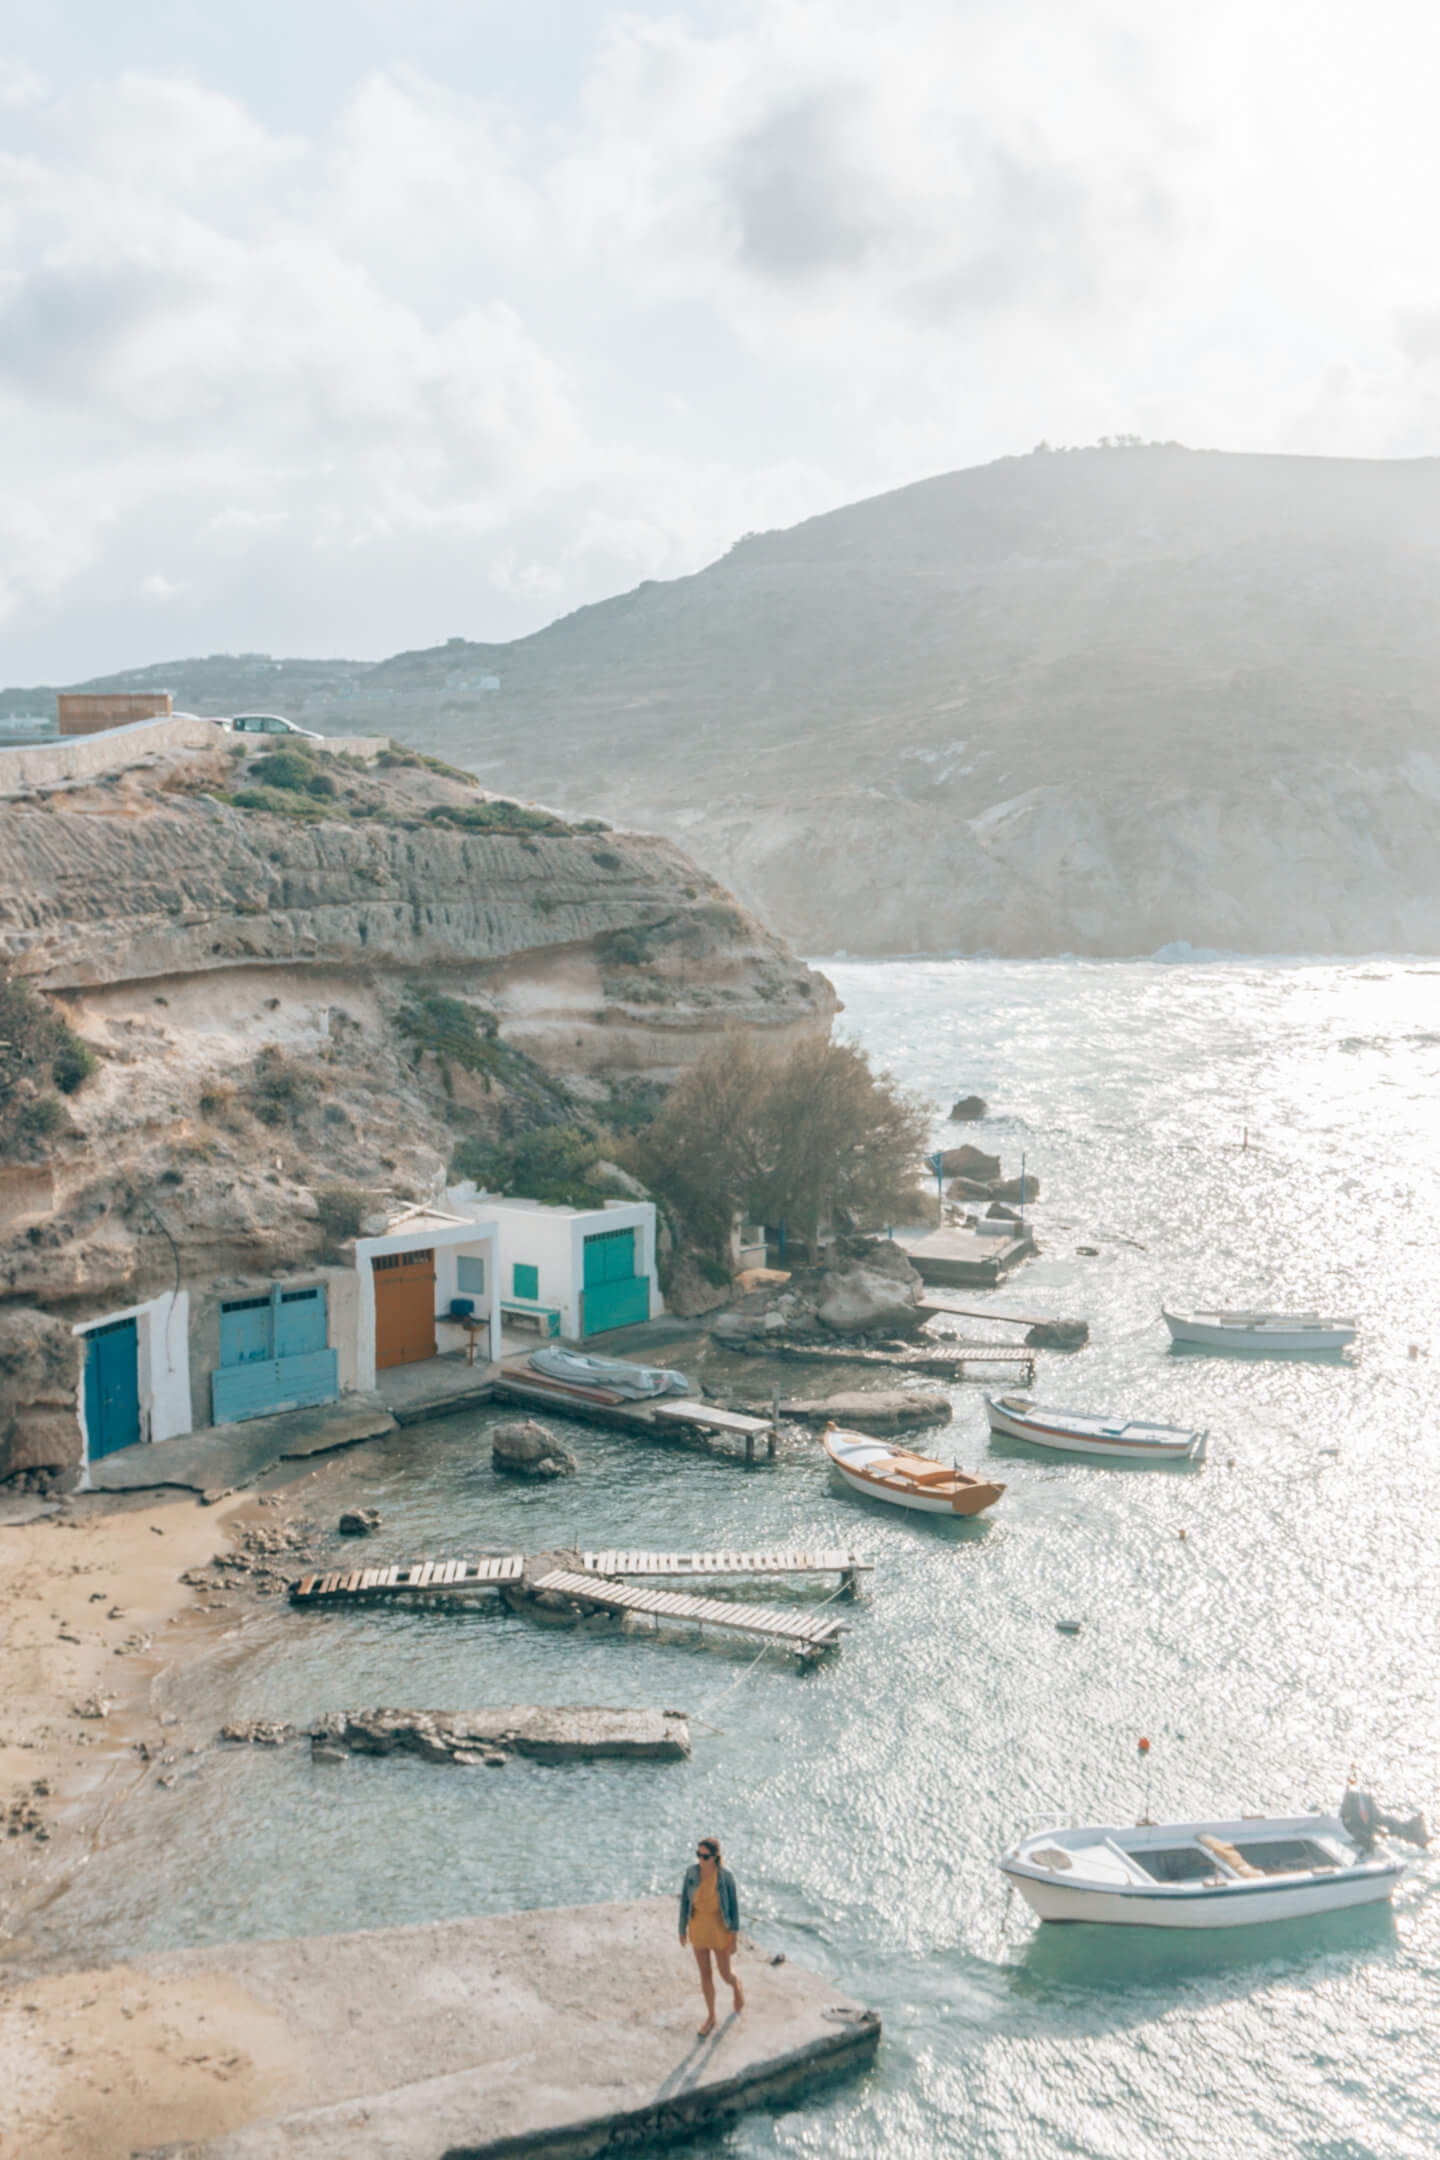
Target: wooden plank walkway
x,y
491,1573
696,1566
685,1410
810,1634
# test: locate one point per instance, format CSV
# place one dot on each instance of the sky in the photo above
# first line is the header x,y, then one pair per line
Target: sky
x,y
349,326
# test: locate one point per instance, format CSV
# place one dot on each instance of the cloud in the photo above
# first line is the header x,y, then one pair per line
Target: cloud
x,y
436,357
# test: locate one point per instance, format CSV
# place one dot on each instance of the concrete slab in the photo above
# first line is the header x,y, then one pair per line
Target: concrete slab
x,y
964,1259
565,2032
222,1458
436,1387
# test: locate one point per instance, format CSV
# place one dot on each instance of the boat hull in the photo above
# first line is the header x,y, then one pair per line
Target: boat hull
x,y
1230,1906
919,1503
1196,1334
1187,1447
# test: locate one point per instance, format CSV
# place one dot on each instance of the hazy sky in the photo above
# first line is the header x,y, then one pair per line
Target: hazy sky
x,y
346,325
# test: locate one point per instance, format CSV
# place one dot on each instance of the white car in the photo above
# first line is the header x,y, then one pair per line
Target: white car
x,y
269,723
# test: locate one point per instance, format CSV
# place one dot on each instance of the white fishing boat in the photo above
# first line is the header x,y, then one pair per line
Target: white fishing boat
x,y
1199,1874
1072,1432
882,1472
1270,1333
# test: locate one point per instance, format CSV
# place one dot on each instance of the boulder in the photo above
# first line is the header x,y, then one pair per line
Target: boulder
x,y
359,1522
998,1212
689,1291
968,1109
971,1162
968,1188
1021,1189
870,1296
1058,1335
526,1448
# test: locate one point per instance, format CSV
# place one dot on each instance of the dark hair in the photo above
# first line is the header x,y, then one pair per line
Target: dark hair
x,y
712,1845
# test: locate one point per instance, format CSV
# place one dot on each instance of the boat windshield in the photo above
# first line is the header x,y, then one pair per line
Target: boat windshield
x,y
1175,1863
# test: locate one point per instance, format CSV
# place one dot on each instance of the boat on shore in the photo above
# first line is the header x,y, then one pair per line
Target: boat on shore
x,y
1223,1874
1267,1333
882,1472
1072,1432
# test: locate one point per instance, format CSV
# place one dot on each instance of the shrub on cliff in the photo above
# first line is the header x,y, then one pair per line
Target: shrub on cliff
x,y
38,1053
806,1137
556,1164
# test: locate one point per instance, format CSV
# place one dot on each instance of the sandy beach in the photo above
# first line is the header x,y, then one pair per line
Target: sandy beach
x,y
93,1612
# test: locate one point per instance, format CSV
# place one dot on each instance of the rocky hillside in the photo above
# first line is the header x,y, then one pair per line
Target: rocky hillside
x,y
1094,701
311,977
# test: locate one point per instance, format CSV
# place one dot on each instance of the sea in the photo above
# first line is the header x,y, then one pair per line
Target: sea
x,y
1202,1130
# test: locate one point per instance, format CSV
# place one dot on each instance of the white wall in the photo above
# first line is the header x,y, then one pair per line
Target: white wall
x,y
552,1239
162,1352
448,1241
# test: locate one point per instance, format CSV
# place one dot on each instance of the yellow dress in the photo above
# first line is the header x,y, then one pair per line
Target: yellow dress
x,y
707,1930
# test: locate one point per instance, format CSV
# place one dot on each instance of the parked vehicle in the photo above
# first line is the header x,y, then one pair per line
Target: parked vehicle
x,y
883,1472
268,723
1075,1433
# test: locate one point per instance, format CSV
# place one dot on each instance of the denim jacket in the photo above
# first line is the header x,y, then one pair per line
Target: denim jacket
x,y
725,1885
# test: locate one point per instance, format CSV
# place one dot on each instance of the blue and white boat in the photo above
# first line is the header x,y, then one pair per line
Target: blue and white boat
x,y
1222,1874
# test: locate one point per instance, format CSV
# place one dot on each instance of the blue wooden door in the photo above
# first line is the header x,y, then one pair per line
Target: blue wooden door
x,y
300,1321
273,1355
112,1388
245,1331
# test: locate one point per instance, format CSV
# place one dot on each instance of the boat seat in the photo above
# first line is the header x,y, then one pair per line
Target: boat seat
x,y
918,1470
1229,1855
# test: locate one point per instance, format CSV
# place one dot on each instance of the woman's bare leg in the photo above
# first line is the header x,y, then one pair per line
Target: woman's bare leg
x,y
707,1988
722,1959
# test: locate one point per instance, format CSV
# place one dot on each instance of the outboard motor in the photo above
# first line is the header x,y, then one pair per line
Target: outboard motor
x,y
1365,1820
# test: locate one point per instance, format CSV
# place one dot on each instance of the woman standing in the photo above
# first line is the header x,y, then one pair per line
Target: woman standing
x,y
709,1918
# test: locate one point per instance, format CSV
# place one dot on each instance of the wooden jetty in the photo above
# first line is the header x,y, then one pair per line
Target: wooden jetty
x,y
950,1361
494,1572
713,1566
809,1635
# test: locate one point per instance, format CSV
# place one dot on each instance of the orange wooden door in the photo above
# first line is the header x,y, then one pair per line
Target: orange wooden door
x,y
404,1308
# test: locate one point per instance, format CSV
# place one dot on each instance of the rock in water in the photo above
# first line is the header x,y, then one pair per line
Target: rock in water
x,y
970,1162
359,1522
968,1109
1021,1189
858,1299
1058,1335
525,1448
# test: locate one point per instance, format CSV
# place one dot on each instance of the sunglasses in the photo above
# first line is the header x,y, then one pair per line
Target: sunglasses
x,y
705,1852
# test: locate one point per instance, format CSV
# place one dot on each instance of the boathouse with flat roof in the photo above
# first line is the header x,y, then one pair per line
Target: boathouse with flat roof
x,y
570,1271
135,1376
428,1286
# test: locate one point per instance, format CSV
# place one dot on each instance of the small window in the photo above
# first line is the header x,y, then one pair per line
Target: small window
x,y
527,1281
470,1274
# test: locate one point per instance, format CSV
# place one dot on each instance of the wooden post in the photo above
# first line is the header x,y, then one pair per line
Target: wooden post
x,y
750,1447
850,1581
770,1443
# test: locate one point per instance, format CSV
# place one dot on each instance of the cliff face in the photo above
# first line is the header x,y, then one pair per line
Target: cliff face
x,y
287,997
1090,702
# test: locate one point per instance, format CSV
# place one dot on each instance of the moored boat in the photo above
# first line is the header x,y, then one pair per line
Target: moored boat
x,y
1223,1874
1270,1333
1072,1432
904,1479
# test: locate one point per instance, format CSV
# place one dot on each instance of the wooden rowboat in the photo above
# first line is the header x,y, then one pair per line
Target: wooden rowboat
x,y
883,1472
1073,1433
1266,1334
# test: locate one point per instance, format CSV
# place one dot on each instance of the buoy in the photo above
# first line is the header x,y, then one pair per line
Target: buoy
x,y
1144,1747
1068,1627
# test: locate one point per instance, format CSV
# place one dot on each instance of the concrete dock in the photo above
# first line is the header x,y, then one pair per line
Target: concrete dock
x,y
964,1259
565,2032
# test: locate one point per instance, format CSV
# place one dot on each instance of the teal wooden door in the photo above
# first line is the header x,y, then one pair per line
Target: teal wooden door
x,y
273,1355
112,1388
614,1295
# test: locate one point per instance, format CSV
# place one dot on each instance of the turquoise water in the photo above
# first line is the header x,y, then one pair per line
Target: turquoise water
x,y
863,1806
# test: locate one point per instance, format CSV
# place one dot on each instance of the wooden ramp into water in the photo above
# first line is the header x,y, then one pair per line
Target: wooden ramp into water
x,y
810,1635
718,1565
430,1576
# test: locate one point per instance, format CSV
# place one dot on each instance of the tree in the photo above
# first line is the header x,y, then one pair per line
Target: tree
x,y
804,1136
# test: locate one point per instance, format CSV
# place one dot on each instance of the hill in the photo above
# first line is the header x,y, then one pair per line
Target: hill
x,y
1089,701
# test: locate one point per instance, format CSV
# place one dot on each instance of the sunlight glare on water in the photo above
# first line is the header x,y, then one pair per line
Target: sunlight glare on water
x,y
864,1806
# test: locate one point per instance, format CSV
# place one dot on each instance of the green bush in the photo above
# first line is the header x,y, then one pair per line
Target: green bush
x,y
280,803
320,783
497,817
38,1052
40,1116
285,768
73,1064
479,1160
340,1210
